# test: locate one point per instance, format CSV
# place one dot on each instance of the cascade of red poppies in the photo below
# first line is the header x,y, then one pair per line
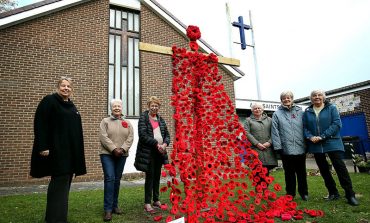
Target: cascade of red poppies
x,y
208,148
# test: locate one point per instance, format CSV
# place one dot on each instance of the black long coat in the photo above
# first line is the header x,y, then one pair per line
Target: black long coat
x,y
147,145
57,128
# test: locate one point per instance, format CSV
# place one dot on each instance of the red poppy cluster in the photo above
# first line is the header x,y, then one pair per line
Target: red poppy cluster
x,y
193,32
211,160
124,124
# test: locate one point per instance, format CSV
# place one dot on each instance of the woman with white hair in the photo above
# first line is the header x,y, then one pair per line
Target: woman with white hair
x,y
287,138
258,128
116,137
322,130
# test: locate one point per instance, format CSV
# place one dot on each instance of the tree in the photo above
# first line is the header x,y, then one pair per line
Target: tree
x,y
7,5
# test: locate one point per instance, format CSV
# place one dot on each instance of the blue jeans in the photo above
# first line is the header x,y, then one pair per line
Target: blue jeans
x,y
112,168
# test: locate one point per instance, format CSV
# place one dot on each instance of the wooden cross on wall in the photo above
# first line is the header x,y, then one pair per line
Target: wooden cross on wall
x,y
168,51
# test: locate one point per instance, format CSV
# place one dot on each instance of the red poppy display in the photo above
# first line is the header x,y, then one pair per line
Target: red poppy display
x,y
211,154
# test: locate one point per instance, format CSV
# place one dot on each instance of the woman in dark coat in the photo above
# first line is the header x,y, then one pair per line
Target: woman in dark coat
x,y
322,125
58,149
151,151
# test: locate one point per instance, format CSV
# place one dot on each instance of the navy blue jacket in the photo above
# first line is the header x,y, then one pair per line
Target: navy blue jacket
x,y
327,125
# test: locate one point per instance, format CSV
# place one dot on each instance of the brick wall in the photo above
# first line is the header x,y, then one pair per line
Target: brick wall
x,y
72,42
33,55
365,106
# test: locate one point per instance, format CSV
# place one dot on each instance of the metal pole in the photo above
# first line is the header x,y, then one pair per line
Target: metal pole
x,y
228,18
255,58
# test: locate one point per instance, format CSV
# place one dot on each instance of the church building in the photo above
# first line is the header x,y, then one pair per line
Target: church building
x,y
111,49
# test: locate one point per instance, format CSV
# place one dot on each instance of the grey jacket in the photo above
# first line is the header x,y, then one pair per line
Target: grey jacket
x,y
259,131
287,130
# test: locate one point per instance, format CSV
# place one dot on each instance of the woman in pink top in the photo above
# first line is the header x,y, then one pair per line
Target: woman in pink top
x,y
151,151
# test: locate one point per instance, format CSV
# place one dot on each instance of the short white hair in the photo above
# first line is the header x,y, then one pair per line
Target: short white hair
x,y
318,92
115,100
255,104
286,93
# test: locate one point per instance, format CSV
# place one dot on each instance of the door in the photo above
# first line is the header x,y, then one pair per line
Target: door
x,y
355,125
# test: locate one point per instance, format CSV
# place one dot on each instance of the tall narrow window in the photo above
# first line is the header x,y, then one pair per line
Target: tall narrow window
x,y
124,64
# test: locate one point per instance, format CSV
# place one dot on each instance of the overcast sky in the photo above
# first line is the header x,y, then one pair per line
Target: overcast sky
x,y
300,45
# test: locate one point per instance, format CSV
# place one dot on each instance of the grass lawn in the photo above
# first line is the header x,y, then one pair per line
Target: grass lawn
x,y
87,206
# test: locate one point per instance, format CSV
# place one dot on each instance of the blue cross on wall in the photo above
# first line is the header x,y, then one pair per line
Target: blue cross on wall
x,y
241,26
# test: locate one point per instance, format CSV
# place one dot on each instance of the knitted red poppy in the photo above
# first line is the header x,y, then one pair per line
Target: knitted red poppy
x,y
124,124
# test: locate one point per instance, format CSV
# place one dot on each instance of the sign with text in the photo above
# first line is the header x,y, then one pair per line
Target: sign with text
x,y
246,104
267,105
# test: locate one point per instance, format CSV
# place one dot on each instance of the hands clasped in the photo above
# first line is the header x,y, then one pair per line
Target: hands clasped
x,y
44,153
162,148
117,152
263,146
315,139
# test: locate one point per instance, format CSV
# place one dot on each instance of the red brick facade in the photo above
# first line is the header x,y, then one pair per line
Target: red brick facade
x,y
33,55
72,42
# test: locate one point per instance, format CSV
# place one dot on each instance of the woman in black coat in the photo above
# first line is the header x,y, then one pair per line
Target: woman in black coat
x,y
151,151
58,149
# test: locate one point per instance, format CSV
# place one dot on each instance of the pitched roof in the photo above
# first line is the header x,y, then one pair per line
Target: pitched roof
x,y
46,7
35,10
339,91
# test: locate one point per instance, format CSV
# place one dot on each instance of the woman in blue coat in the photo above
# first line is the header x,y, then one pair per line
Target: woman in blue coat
x,y
287,139
321,122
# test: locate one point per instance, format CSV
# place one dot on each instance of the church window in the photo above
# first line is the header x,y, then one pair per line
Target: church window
x,y
124,63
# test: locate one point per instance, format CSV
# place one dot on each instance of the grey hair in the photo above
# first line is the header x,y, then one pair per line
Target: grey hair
x,y
286,93
255,104
115,100
65,78
318,92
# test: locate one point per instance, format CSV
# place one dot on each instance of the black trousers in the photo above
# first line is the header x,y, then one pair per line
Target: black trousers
x,y
295,167
57,199
152,179
341,170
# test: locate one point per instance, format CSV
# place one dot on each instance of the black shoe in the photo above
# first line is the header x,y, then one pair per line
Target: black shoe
x,y
117,211
305,197
332,197
352,201
107,216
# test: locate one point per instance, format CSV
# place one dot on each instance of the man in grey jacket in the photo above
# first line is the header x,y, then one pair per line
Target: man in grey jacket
x,y
288,141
